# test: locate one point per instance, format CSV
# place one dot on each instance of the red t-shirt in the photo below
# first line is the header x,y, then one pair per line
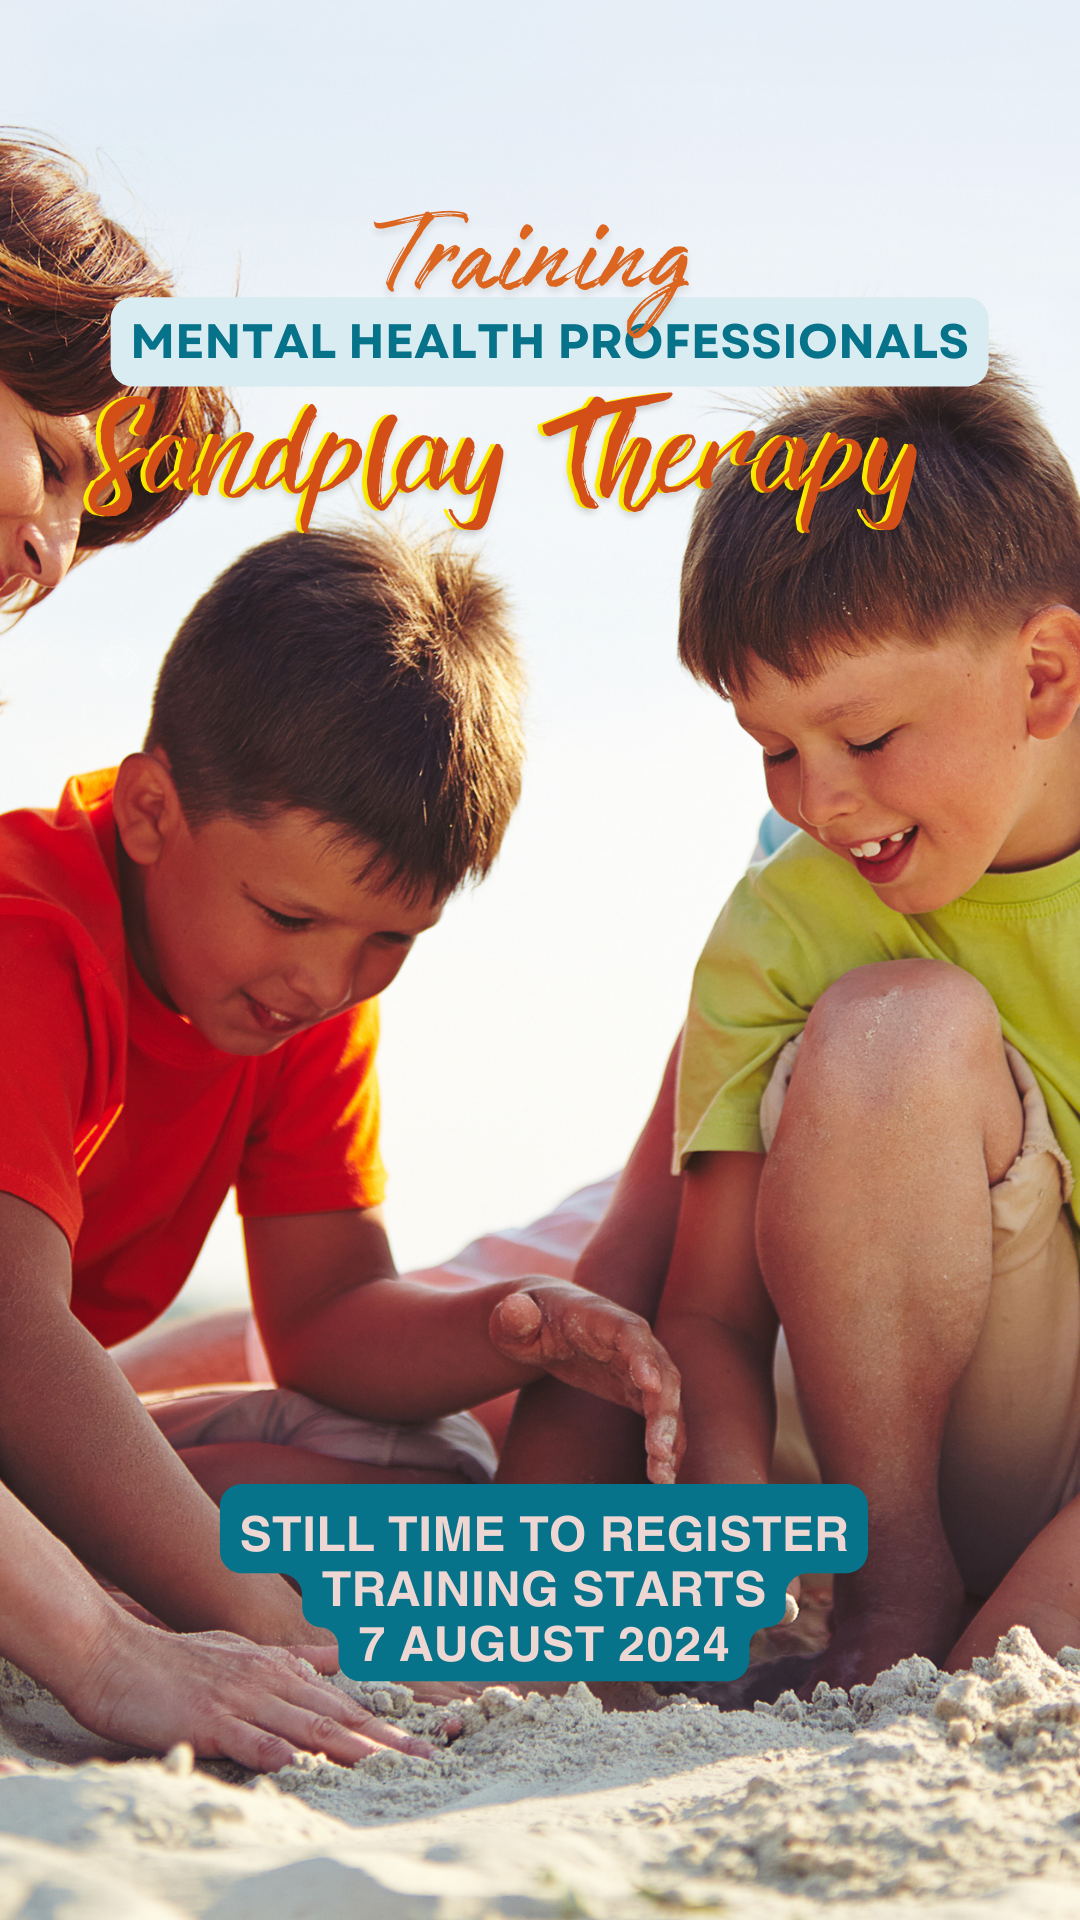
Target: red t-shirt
x,y
117,1118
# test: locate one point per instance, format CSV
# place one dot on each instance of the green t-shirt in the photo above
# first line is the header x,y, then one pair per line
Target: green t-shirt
x,y
806,917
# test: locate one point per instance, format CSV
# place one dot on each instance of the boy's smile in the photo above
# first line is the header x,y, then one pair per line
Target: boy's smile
x,y
928,765
254,930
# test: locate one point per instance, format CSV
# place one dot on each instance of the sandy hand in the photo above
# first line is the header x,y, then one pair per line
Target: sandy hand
x,y
227,1697
589,1342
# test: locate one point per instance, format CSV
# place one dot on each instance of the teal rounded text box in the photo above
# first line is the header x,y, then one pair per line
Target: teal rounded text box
x,y
534,1583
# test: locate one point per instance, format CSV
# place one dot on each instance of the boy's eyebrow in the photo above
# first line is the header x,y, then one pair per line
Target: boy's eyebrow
x,y
297,909
844,710
285,902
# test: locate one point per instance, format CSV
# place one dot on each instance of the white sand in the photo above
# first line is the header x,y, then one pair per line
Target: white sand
x,y
956,1796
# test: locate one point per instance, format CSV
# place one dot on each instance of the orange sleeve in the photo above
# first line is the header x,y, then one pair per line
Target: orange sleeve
x,y
313,1144
57,1049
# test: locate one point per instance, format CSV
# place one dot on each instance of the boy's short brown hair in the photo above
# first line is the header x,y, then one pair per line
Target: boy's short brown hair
x,y
366,679
991,530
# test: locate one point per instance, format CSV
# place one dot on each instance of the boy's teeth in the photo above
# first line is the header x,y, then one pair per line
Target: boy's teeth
x,y
871,848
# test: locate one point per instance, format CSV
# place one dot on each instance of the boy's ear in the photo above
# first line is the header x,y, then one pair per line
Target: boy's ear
x,y
1051,643
146,806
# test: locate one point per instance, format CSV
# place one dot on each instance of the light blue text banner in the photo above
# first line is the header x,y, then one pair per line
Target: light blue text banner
x,y
510,342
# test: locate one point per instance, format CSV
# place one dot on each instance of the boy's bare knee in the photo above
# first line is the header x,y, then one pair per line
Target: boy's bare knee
x,y
916,1024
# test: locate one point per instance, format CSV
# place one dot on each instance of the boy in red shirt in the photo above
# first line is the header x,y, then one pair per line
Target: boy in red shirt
x,y
190,951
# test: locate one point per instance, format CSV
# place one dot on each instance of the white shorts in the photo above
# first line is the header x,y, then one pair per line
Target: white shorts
x,y
282,1418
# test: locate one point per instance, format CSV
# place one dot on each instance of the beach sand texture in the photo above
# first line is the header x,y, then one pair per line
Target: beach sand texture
x,y
942,1794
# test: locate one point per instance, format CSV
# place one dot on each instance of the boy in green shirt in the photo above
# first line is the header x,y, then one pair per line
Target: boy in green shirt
x,y
879,1092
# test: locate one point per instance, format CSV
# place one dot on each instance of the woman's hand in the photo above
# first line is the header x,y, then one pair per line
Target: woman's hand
x,y
230,1699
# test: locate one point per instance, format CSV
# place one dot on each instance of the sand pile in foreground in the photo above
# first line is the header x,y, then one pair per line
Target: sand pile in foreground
x,y
953,1794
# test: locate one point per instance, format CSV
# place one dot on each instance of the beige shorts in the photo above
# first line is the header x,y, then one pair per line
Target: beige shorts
x,y
456,1444
1011,1454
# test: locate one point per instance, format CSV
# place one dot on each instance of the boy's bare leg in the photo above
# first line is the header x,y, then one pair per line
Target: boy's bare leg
x,y
874,1237
1041,1591
558,1432
202,1350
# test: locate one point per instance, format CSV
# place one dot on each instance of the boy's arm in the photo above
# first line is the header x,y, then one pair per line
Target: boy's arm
x,y
558,1432
80,1451
718,1322
628,1255
339,1325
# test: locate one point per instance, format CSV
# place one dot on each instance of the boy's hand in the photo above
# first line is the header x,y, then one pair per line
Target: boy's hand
x,y
589,1342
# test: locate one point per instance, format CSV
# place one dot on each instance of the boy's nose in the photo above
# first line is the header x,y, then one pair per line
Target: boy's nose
x,y
823,797
330,987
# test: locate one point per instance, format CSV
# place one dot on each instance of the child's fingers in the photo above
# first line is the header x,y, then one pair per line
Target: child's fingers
x,y
444,1693
665,1437
646,1369
518,1317
680,1441
652,1386
561,1322
664,1446
592,1343
645,1373
663,1462
662,1400
550,1326
663,1386
565,1323
323,1658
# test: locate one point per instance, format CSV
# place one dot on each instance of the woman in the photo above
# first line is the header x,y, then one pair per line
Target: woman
x,y
63,267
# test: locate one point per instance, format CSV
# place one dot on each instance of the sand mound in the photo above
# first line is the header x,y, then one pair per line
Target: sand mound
x,y
956,1795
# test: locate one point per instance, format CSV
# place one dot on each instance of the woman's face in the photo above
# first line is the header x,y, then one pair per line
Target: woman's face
x,y
46,463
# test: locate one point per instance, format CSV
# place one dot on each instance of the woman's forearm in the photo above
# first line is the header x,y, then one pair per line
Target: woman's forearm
x,y
51,1610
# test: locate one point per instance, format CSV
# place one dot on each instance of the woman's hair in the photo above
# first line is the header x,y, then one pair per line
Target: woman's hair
x,y
63,266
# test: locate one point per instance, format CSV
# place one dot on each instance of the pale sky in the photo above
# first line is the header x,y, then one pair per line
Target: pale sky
x,y
838,150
